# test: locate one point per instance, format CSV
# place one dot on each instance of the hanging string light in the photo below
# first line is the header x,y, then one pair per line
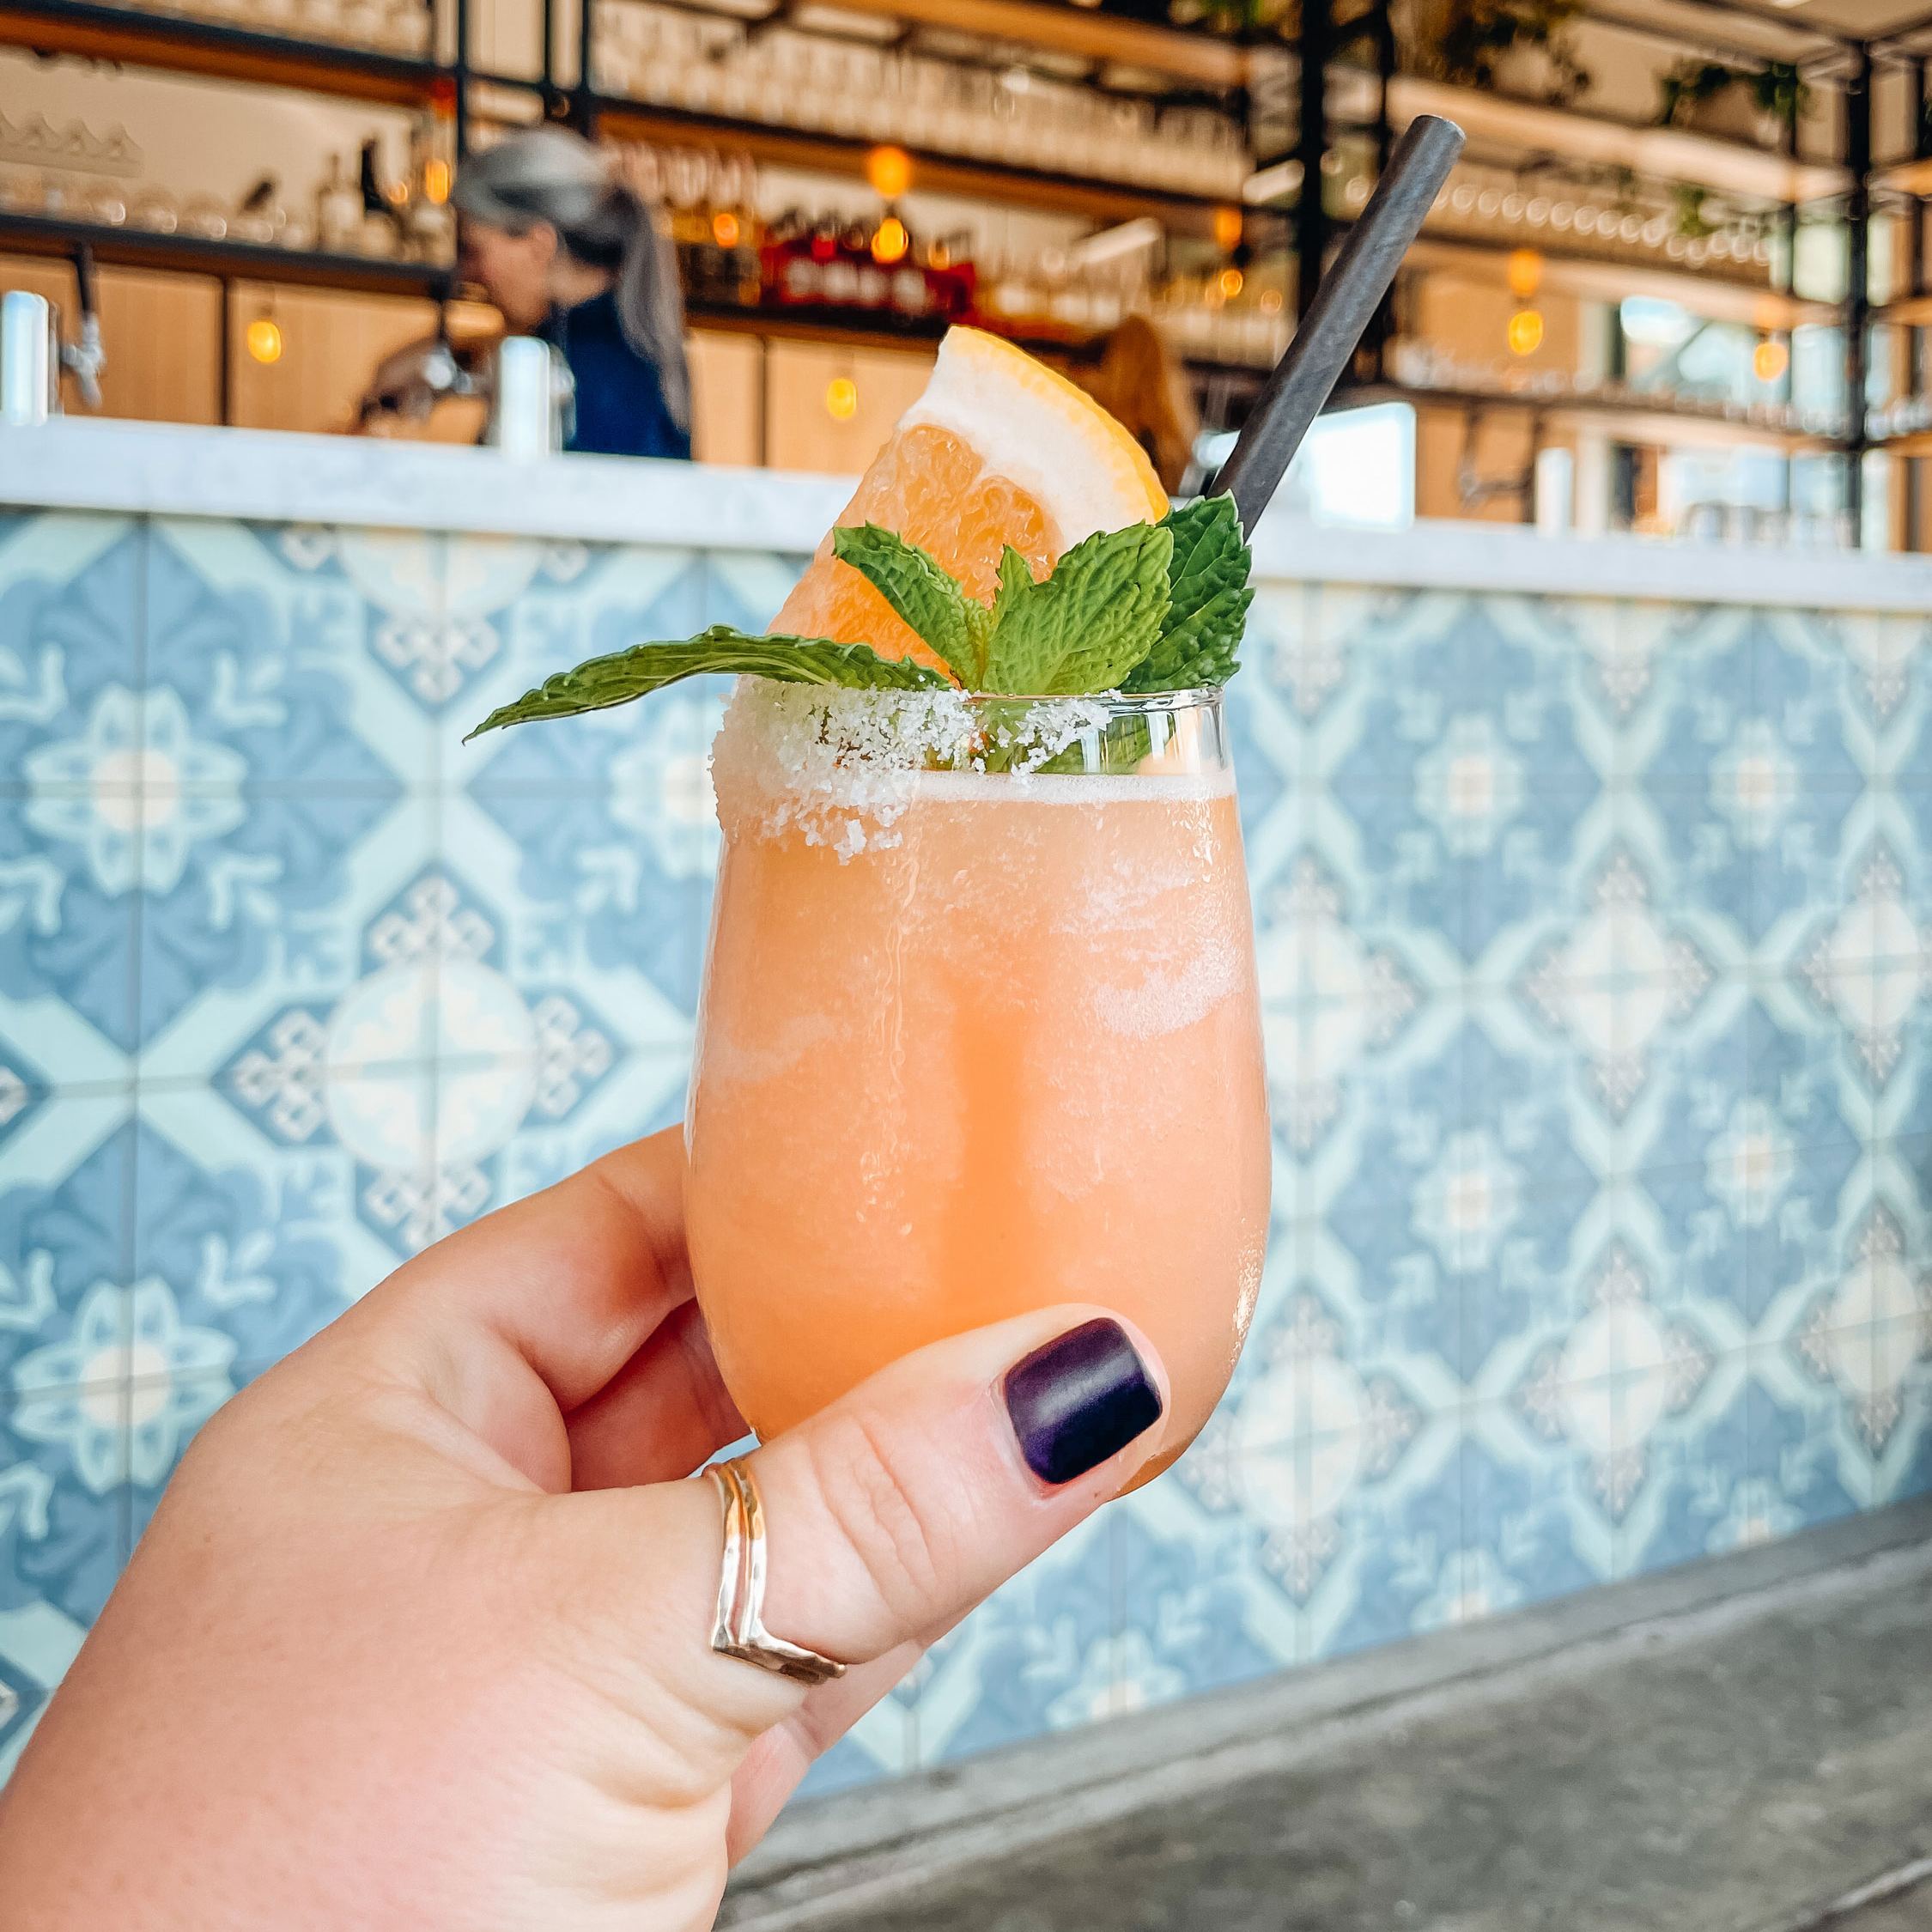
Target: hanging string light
x,y
262,339
1525,333
888,171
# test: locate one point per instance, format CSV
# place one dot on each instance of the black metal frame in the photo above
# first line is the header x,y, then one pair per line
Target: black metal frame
x,y
1846,59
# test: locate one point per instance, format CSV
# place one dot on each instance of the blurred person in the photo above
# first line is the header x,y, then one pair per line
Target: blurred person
x,y
1139,382
565,249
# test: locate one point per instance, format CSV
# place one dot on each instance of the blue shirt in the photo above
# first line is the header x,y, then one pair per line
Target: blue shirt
x,y
620,401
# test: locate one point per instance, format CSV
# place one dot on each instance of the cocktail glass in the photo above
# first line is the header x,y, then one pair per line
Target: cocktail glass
x,y
978,1035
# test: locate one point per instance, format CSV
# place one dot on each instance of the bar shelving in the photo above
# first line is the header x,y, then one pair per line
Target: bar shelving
x,y
1337,78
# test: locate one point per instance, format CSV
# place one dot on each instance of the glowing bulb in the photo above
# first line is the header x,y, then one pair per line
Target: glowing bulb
x,y
1229,281
890,171
435,180
841,398
1770,359
1525,332
725,228
891,242
264,339
1227,228
939,256
1525,270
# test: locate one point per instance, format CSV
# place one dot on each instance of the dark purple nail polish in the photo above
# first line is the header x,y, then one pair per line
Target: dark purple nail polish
x,y
1079,1399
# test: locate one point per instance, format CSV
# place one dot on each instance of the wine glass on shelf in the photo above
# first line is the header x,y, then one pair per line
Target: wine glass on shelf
x,y
203,215
154,210
105,204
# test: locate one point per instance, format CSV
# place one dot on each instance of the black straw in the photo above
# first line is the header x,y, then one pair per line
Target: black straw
x,y
1343,308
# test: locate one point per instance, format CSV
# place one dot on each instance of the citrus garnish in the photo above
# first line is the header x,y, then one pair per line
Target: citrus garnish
x,y
1000,451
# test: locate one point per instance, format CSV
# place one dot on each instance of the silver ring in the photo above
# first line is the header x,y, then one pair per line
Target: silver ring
x,y
740,1630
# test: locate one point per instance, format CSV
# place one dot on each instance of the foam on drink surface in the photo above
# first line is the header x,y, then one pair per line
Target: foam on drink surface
x,y
841,768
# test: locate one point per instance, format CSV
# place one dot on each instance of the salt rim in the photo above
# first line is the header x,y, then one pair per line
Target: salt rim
x,y
842,766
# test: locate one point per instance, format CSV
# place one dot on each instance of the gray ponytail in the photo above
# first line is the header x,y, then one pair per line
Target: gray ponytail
x,y
552,176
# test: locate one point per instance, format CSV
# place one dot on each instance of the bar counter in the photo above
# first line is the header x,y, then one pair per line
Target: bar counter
x,y
160,469
1594,892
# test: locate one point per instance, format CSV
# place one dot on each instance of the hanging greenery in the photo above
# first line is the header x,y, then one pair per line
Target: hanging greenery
x,y
1692,222
1778,90
1480,34
1781,91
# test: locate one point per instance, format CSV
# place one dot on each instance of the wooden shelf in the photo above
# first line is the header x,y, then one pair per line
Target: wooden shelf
x,y
1905,178
1909,312
185,45
1098,37
246,261
1666,152
1712,297
869,328
936,173
1630,422
35,234
857,328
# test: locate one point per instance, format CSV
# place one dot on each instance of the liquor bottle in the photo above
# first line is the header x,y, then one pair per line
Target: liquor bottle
x,y
338,211
382,229
431,220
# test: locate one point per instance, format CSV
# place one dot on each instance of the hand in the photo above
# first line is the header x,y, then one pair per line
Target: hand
x,y
419,1635
411,380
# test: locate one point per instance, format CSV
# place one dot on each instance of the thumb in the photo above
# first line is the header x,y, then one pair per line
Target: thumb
x,y
887,1516
893,1512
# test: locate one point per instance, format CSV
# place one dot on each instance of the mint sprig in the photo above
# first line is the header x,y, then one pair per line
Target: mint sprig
x,y
926,596
1085,627
622,676
1208,599
1154,607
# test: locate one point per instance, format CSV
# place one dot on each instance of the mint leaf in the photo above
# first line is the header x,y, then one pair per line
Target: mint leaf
x,y
922,593
1208,599
1082,630
624,675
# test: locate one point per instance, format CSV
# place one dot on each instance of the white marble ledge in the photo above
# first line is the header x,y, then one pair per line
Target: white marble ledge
x,y
265,477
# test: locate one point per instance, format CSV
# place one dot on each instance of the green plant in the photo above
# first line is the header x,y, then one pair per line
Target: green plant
x,y
1691,82
1778,90
1781,91
1232,16
1479,32
1691,221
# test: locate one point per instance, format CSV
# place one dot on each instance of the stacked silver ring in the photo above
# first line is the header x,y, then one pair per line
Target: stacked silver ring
x,y
740,1630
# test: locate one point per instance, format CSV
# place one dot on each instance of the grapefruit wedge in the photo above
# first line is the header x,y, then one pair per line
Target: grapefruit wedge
x,y
998,450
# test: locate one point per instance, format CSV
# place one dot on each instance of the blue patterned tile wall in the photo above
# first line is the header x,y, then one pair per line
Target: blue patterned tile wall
x,y
1596,954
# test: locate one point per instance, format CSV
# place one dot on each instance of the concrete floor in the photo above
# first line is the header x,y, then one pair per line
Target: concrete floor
x,y
1756,1764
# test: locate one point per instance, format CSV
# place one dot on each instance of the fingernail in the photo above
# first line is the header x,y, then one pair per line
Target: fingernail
x,y
1081,1398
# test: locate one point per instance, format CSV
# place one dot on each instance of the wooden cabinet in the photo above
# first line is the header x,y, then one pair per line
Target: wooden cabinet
x,y
330,345
161,332
727,397
804,428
